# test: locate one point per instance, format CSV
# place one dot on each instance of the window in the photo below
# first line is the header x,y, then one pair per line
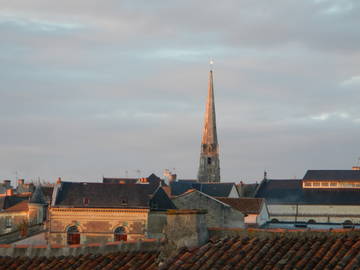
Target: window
x,y
316,184
86,201
73,236
120,234
333,184
8,222
311,221
325,184
274,220
208,160
307,184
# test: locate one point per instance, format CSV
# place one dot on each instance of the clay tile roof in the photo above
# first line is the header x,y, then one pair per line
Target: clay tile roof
x,y
119,260
278,252
244,205
19,207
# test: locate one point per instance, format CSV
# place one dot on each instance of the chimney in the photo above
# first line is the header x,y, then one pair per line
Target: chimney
x,y
9,192
20,182
356,168
7,183
58,180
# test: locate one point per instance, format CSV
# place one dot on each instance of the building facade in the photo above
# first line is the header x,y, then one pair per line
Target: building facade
x,y
102,212
321,196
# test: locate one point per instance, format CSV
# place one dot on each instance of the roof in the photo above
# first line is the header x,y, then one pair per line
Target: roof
x,y
9,201
19,207
38,196
339,175
211,189
244,205
47,191
152,180
119,260
280,252
94,195
290,191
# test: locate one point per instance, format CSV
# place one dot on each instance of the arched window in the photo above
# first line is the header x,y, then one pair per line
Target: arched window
x,y
120,234
73,235
311,221
274,220
348,224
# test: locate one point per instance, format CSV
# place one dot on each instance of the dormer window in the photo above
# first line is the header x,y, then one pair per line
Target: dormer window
x,y
124,201
86,201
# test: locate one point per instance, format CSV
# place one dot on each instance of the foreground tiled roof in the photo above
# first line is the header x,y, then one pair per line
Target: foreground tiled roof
x,y
313,253
120,260
244,205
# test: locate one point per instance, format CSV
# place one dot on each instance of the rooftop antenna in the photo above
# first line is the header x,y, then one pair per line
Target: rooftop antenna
x,y
138,171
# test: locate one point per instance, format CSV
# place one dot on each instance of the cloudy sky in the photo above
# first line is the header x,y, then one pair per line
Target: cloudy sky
x,y
92,88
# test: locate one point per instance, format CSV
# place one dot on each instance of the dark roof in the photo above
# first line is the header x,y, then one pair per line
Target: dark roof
x,y
119,260
341,175
244,205
47,191
152,180
38,196
72,194
280,252
211,189
291,191
9,201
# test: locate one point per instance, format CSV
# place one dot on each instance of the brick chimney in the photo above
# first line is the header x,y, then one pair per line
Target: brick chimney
x,y
9,192
58,180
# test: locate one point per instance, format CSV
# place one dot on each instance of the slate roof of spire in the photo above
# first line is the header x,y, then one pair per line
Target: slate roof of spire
x,y
209,132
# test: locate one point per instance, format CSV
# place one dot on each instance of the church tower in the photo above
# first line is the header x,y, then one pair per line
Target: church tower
x,y
209,168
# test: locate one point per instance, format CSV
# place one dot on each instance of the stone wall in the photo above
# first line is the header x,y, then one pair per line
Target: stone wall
x,y
16,218
219,214
96,225
75,250
186,228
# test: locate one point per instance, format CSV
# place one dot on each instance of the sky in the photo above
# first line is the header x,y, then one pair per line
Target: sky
x,y
118,88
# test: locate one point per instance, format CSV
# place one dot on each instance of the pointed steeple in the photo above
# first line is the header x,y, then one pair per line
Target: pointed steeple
x,y
209,168
209,132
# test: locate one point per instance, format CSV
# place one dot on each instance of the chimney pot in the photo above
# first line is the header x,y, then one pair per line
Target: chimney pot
x,y
58,180
9,192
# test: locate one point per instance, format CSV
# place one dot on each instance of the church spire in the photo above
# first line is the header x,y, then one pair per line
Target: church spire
x,y
209,168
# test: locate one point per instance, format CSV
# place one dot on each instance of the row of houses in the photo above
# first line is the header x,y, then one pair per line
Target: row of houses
x,y
125,208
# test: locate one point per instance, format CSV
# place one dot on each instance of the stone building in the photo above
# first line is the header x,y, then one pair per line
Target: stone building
x,y
209,167
219,213
321,196
17,209
103,212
